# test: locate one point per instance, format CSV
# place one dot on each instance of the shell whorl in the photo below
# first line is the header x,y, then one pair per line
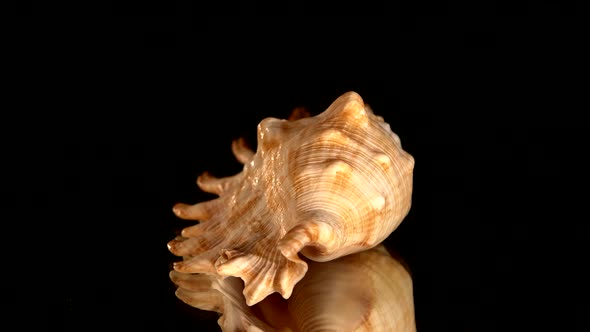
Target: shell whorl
x,y
323,186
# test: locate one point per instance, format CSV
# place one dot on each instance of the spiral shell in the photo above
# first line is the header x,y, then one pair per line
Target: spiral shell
x,y
366,291
324,186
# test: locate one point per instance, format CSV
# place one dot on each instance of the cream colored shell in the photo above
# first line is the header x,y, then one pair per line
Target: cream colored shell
x,y
367,291
324,186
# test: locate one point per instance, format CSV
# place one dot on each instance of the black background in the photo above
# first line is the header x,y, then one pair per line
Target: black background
x,y
156,93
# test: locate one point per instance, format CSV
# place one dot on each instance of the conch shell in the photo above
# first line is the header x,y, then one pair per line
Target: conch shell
x,y
324,186
366,291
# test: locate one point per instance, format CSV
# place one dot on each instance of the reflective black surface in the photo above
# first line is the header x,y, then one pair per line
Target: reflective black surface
x,y
160,91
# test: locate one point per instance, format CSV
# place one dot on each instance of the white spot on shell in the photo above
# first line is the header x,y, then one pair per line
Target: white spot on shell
x,y
378,202
383,160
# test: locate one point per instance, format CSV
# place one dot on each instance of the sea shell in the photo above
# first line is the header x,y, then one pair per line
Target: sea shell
x,y
323,186
366,291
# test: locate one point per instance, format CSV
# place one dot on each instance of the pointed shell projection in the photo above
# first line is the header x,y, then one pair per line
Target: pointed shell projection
x,y
366,291
323,186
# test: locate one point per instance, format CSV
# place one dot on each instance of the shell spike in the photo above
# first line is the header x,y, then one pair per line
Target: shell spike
x,y
199,264
211,184
192,246
193,231
241,151
199,211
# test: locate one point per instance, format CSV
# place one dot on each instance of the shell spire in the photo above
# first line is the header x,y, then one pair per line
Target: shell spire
x,y
321,187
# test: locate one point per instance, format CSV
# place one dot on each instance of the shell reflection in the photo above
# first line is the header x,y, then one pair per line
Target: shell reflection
x,y
365,291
